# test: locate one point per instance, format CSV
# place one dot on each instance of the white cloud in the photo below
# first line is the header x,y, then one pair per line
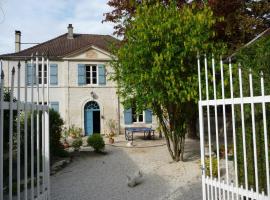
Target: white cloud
x,y
41,20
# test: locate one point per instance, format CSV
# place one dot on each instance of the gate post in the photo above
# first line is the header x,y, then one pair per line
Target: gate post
x,y
201,129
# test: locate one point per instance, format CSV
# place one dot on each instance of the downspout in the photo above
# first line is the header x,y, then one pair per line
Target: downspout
x,y
118,107
68,112
8,76
1,67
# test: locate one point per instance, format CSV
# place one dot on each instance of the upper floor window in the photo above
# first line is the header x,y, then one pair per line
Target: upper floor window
x,y
40,74
91,74
33,74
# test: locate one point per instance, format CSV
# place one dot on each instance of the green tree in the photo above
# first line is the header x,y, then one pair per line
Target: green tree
x,y
156,66
243,19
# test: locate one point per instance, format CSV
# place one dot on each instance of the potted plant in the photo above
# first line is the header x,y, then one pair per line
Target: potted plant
x,y
65,135
112,126
111,139
96,141
222,151
77,143
74,132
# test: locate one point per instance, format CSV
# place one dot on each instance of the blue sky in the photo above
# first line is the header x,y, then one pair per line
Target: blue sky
x,y
41,20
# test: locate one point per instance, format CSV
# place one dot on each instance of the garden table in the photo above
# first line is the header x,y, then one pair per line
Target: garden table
x,y
129,131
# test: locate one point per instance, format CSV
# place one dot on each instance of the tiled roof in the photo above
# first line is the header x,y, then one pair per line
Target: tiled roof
x,y
61,46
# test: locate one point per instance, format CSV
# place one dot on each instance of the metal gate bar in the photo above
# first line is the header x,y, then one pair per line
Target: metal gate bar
x,y
38,162
227,186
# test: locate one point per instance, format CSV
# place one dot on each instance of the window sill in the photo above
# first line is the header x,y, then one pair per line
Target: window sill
x,y
90,85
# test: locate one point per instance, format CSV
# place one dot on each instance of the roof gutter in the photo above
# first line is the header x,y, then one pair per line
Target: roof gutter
x,y
28,57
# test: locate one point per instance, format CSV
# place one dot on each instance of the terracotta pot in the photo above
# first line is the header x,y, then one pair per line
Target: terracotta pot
x,y
222,154
111,140
66,145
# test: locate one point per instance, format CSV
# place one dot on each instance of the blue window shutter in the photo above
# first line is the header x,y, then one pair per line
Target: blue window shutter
x,y
101,75
128,116
53,74
148,116
55,106
81,74
30,74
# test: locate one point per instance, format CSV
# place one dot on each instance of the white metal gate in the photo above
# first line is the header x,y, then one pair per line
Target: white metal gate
x,y
24,132
234,164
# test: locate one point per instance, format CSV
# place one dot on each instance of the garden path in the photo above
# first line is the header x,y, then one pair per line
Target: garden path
x,y
103,177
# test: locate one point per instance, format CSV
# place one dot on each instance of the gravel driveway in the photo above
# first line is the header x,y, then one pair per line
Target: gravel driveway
x,y
103,177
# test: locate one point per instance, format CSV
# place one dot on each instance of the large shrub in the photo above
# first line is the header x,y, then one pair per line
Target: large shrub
x,y
96,141
6,93
56,127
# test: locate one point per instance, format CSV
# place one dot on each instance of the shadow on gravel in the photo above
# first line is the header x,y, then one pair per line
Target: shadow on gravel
x,y
92,176
192,150
188,192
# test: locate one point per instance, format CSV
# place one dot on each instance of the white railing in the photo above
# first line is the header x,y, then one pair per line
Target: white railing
x,y
227,183
27,139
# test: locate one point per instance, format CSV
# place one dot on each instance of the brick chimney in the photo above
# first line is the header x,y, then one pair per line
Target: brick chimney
x,y
17,41
70,32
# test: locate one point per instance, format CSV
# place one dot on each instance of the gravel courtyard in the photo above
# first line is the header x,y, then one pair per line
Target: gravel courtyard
x,y
103,177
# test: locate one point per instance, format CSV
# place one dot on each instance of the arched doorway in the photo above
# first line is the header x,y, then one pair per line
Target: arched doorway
x,y
91,118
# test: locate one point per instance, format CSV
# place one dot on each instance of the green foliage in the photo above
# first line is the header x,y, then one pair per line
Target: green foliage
x,y
260,146
77,143
96,141
156,66
6,120
214,167
257,58
242,19
56,127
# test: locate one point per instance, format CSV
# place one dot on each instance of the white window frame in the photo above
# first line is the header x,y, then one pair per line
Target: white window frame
x,y
137,118
91,74
42,81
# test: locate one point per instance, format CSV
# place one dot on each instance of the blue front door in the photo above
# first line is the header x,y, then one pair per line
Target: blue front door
x,y
91,118
88,122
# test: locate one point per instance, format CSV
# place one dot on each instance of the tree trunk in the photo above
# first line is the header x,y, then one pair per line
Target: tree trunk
x,y
192,129
175,147
171,124
192,121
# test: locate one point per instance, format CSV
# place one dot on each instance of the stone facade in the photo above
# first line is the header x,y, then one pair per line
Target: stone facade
x,y
73,97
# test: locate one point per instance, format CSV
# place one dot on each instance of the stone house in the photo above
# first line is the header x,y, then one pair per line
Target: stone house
x,y
80,88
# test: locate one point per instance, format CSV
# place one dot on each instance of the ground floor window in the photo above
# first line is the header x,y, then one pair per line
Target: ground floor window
x,y
131,116
137,117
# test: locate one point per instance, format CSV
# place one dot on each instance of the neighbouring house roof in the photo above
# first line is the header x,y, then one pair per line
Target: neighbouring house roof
x,y
61,46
